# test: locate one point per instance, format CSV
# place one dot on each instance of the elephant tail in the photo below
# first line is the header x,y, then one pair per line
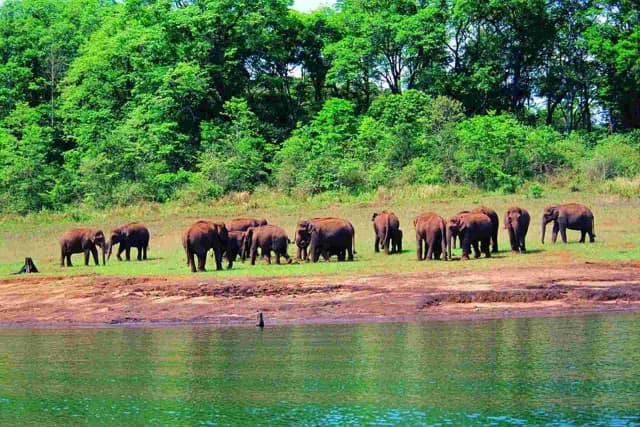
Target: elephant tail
x,y
386,231
353,240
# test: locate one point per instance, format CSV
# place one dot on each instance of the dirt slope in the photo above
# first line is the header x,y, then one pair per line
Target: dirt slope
x,y
92,299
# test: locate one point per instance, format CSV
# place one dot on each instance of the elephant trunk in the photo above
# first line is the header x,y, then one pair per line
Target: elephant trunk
x,y
104,250
544,229
110,245
449,237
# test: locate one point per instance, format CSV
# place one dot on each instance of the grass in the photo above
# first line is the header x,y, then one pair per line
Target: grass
x,y
36,235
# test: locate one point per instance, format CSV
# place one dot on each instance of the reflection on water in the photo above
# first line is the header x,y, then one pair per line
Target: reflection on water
x,y
513,371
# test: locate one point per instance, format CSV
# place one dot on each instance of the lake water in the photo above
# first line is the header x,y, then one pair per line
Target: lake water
x,y
573,370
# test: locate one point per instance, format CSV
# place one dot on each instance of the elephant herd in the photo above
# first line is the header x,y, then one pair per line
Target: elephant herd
x,y
475,229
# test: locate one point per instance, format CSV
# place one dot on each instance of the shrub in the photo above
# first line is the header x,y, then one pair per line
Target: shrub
x,y
323,155
495,152
613,158
624,187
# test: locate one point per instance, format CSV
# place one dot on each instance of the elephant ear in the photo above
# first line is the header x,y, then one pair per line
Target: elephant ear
x,y
507,219
373,217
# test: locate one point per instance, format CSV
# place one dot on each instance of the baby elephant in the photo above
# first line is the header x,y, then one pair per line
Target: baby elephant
x,y
235,247
516,222
82,240
268,238
132,235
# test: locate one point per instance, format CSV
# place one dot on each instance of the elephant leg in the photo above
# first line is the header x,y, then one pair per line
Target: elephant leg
x,y
191,261
513,240
494,242
144,256
139,253
523,247
94,252
592,237
202,261
350,252
305,254
563,233
218,254
465,244
230,259
298,253
120,250
476,249
254,253
376,244
419,248
277,257
429,248
267,255
86,257
127,253
342,255
69,260
386,244
486,247
583,234
554,232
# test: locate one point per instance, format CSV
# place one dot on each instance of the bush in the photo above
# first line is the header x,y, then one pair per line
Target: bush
x,y
624,187
496,152
323,155
614,157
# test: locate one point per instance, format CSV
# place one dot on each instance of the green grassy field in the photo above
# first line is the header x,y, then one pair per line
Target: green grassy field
x,y
617,229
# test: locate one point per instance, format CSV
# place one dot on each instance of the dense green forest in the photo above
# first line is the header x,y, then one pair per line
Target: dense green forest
x,y
116,102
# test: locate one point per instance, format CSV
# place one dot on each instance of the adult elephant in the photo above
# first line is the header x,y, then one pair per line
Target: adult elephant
x,y
572,216
268,238
82,240
386,226
326,236
243,224
516,222
199,238
302,237
473,229
495,222
132,235
235,247
430,230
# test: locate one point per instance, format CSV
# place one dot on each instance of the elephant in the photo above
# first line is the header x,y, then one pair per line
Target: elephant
x,y
430,229
454,234
79,240
326,236
495,221
385,227
572,216
235,247
242,224
268,238
516,222
130,235
473,228
301,238
202,236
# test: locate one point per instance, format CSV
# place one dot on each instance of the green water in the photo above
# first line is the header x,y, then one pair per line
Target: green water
x,y
515,371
